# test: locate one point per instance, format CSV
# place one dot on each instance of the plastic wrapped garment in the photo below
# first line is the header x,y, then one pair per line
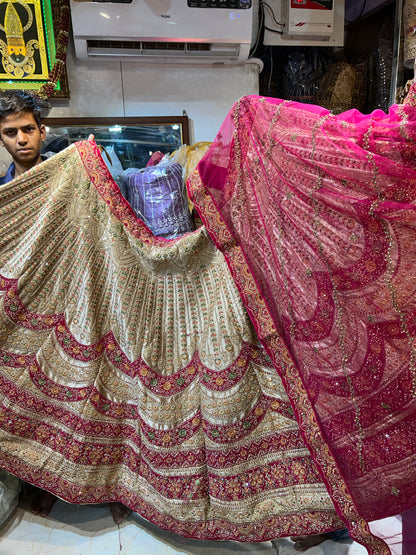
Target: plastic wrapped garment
x,y
115,168
157,194
9,494
189,157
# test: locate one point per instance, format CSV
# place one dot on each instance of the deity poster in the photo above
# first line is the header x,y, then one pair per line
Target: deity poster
x,y
27,43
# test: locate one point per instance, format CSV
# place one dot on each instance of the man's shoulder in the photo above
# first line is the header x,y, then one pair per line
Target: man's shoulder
x,y
8,176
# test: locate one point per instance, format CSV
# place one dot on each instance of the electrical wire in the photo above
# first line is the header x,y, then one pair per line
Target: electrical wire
x,y
269,84
266,5
259,29
273,30
360,14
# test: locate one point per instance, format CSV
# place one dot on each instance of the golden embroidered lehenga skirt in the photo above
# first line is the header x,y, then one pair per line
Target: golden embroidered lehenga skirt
x,y
251,380
131,372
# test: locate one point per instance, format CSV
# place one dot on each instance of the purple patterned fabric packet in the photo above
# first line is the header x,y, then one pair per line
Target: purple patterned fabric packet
x,y
157,195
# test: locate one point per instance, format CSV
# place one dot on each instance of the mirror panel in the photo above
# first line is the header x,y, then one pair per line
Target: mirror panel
x,y
134,139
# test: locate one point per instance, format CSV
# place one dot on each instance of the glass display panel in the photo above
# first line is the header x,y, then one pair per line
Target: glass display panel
x,y
134,140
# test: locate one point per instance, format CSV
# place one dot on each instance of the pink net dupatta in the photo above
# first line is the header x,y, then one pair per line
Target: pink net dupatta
x,y
315,215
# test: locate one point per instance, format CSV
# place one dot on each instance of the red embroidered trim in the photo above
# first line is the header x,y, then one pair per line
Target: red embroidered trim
x,y
284,364
286,525
111,194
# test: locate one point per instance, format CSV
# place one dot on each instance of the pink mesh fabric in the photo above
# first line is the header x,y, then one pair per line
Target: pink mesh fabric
x,y
316,216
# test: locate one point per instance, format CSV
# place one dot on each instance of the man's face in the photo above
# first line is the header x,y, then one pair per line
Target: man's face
x,y
22,138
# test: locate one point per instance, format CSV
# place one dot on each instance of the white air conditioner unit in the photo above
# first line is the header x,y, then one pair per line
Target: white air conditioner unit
x,y
170,31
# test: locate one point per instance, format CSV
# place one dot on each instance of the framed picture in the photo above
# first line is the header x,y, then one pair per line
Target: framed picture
x,y
33,40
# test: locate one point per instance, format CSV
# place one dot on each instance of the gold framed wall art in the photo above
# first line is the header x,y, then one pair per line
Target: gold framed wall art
x,y
33,40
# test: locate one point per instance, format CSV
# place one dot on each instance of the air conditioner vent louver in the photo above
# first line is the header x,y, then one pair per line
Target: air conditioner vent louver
x,y
145,45
147,48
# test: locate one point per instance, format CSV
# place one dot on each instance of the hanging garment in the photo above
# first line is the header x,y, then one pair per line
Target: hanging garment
x,y
157,194
130,371
315,215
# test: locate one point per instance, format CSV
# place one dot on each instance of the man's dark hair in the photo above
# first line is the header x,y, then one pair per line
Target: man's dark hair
x,y
15,101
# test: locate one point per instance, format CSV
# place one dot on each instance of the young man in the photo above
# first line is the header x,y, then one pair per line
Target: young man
x,y
21,131
22,134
